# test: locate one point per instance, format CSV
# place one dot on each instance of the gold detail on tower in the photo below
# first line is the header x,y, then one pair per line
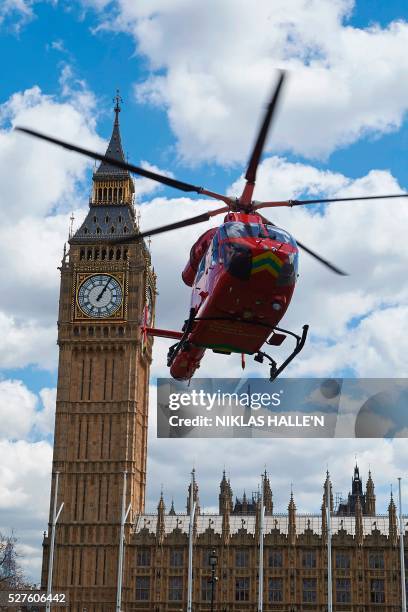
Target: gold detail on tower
x,y
120,191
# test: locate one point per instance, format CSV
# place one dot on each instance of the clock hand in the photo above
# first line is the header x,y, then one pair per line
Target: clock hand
x,y
103,291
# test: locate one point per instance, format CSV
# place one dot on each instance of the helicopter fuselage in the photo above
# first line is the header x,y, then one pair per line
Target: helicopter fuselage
x,y
244,275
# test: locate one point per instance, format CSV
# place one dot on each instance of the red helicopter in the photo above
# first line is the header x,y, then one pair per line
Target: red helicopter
x,y
242,273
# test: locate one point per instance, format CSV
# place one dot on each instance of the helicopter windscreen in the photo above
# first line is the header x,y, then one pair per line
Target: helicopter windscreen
x,y
275,233
237,229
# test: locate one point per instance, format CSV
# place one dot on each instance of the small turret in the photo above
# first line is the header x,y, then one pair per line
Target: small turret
x,y
244,504
195,495
160,528
292,521
356,483
359,523
267,493
327,487
225,510
392,522
370,496
225,496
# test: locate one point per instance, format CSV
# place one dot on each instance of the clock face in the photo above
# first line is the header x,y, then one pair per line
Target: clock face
x,y
100,296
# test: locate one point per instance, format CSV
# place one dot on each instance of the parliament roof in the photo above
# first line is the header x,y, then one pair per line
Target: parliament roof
x,y
304,522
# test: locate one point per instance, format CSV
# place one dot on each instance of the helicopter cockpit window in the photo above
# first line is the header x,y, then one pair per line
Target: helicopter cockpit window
x,y
280,235
236,229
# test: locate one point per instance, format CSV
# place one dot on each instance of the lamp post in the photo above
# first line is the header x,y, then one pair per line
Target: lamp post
x,y
213,562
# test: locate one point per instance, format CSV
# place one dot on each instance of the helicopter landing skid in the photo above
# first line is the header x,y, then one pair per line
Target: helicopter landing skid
x,y
275,339
182,343
300,342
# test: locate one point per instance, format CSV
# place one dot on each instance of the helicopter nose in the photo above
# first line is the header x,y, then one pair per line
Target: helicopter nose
x,y
288,273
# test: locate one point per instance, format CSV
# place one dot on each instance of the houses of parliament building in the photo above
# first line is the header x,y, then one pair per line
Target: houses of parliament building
x,y
107,289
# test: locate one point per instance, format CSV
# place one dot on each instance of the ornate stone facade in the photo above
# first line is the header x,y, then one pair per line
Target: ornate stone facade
x,y
102,395
365,557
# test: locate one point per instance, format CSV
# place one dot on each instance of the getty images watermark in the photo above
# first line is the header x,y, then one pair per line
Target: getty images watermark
x,y
220,401
286,408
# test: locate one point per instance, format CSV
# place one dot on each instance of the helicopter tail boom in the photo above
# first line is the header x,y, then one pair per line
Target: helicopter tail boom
x,y
162,333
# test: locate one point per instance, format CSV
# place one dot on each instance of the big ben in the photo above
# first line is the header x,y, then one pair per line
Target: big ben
x,y
107,288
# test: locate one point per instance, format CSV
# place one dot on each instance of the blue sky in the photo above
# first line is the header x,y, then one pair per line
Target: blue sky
x,y
194,79
107,60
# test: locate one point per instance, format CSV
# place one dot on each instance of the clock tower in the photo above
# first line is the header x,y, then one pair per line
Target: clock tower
x,y
107,289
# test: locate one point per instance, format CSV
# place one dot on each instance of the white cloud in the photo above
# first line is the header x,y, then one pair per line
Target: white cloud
x,y
58,45
23,413
28,159
44,419
20,10
212,66
17,407
39,186
23,467
25,477
171,460
144,186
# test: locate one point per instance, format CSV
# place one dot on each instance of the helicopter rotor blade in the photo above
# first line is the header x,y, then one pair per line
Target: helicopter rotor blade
x,y
291,203
172,226
154,176
351,199
263,132
319,258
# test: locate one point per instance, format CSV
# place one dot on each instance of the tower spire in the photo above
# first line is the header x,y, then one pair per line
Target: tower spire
x,y
225,496
267,492
392,521
118,100
107,171
195,494
328,487
113,187
291,519
370,495
160,526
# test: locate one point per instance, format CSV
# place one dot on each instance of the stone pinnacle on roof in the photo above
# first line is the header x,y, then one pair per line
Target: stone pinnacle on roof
x,y
114,149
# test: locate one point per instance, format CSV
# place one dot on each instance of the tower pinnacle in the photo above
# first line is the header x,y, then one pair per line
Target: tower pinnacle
x,y
106,171
117,99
